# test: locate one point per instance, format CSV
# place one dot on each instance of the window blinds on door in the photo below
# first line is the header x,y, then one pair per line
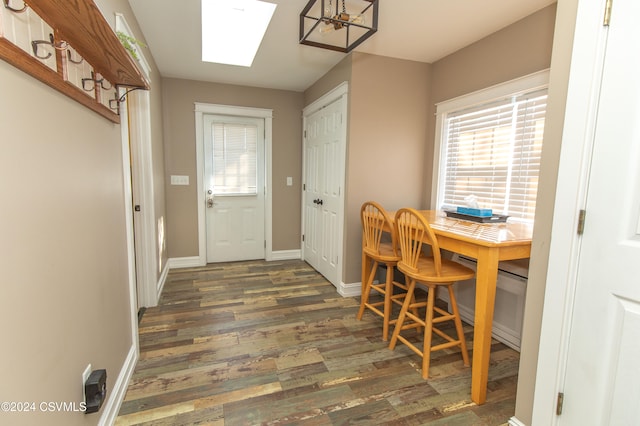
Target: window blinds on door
x,y
234,158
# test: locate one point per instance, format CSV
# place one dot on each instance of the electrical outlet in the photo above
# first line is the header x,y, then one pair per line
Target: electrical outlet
x,y
85,375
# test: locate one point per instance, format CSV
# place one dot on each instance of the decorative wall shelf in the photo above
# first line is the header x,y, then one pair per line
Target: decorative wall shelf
x,y
68,45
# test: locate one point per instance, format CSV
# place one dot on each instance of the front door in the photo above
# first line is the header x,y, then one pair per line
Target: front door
x,y
603,377
234,186
324,163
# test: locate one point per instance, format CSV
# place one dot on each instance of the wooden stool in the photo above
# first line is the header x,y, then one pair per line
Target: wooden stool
x,y
413,231
374,222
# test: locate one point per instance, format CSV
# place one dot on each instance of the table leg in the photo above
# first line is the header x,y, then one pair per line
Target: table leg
x,y
486,278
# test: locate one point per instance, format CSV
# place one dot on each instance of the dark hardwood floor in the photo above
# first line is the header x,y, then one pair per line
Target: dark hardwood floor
x,y
273,343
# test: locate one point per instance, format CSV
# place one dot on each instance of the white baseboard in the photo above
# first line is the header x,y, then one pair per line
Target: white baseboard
x,y
185,262
286,255
112,406
195,261
513,421
349,290
161,280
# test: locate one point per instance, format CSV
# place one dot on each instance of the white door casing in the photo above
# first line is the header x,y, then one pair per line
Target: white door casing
x,y
602,384
590,342
201,110
235,221
324,163
136,131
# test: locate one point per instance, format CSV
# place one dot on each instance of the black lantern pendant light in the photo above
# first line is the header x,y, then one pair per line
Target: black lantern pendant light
x,y
340,27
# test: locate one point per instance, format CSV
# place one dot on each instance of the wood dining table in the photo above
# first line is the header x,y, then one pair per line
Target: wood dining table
x,y
488,243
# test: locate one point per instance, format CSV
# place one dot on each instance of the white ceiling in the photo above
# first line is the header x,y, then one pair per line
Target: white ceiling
x,y
418,30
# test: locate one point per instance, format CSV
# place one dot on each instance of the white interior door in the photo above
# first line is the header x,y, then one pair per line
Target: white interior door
x,y
602,382
324,167
235,188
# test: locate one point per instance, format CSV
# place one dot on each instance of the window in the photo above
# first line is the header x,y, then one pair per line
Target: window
x,y
235,158
490,145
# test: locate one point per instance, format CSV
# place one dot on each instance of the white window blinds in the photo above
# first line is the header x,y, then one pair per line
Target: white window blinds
x,y
234,158
493,151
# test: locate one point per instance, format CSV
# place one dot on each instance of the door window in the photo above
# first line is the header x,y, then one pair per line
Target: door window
x,y
234,158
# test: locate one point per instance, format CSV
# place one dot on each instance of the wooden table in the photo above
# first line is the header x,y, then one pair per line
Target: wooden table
x,y
489,244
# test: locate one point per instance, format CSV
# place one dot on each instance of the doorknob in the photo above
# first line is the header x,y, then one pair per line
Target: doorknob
x,y
210,202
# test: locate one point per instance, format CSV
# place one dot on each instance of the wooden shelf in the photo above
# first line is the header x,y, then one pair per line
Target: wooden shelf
x,y
80,24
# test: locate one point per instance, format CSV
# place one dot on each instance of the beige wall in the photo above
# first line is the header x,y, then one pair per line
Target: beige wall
x,y
517,50
386,141
180,157
64,298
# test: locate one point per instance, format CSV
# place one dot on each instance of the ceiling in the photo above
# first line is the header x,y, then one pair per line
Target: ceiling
x,y
418,30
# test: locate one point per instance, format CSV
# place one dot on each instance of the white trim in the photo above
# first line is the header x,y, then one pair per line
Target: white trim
x,y
333,94
267,115
537,80
162,280
129,231
185,262
123,26
286,255
513,421
349,290
119,390
142,171
587,61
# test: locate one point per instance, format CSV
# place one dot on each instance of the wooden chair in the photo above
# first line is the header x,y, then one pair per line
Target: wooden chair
x,y
374,222
432,271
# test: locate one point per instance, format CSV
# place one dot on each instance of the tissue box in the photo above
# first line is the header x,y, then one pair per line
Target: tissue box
x,y
475,212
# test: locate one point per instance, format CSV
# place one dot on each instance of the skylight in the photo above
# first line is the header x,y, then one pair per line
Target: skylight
x,y
232,30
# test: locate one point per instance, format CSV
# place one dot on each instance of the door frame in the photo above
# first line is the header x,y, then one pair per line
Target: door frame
x,y
139,144
262,113
571,191
340,91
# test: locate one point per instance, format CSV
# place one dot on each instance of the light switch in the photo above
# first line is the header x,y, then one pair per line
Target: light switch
x,y
289,181
179,180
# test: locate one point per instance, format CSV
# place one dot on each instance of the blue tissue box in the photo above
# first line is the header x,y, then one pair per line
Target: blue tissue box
x,y
475,212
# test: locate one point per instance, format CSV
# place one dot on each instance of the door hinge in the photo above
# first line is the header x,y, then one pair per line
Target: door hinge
x,y
559,402
607,13
581,216
302,237
304,186
305,134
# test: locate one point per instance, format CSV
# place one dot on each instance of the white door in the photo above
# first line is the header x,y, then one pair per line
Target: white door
x,y
234,186
324,164
602,382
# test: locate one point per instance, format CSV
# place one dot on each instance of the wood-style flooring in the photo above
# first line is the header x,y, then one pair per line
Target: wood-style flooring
x,y
273,343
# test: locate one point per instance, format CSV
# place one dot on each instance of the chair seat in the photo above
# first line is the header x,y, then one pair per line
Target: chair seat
x,y
426,271
385,254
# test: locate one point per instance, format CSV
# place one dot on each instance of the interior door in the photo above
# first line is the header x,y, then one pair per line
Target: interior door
x,y
234,186
324,164
602,377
